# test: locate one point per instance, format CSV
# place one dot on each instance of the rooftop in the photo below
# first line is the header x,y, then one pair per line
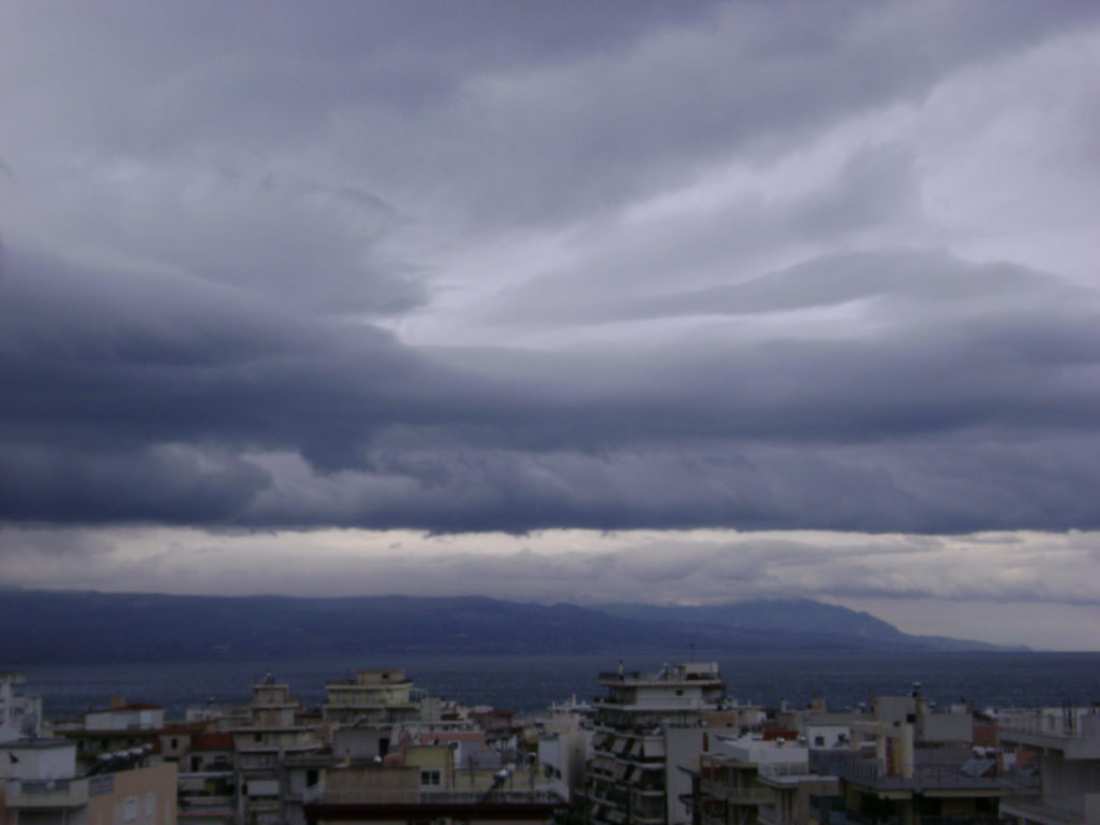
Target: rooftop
x,y
128,706
853,767
692,672
36,744
212,742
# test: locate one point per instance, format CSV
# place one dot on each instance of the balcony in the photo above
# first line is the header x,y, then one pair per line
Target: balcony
x,y
450,799
866,772
834,812
1056,810
1076,736
736,795
53,793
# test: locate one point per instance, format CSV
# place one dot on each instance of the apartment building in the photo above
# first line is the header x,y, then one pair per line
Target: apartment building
x,y
751,780
379,697
262,747
207,780
20,714
564,743
648,727
1065,743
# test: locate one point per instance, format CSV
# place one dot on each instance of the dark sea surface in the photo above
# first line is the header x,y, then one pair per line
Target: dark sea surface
x,y
533,682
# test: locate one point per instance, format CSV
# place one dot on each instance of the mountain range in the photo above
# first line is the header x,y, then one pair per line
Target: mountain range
x,y
52,626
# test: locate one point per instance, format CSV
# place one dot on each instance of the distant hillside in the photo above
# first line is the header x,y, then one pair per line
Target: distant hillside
x,y
788,615
42,627
792,618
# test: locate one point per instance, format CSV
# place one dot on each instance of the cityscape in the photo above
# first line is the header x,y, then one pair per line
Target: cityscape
x,y
671,747
549,412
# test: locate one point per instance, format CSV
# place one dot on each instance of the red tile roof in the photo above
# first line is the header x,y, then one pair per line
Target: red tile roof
x,y
212,742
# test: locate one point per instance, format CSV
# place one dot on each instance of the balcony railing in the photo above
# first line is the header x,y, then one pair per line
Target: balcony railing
x,y
736,795
859,770
1076,724
397,796
54,793
780,769
1064,810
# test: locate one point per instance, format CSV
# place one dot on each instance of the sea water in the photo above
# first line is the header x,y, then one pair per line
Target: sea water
x,y
533,682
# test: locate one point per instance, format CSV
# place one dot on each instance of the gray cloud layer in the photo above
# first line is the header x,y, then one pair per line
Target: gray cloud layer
x,y
164,400
505,268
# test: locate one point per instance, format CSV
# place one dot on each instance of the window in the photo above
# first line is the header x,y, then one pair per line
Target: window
x,y
175,743
150,803
311,777
429,777
129,809
257,737
819,741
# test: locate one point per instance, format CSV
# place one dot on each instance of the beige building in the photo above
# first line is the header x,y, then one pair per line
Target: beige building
x,y
420,785
262,748
371,697
42,787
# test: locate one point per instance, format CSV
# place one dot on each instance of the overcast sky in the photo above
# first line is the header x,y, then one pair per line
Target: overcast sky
x,y
561,301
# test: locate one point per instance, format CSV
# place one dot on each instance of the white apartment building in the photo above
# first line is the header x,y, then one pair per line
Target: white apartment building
x,y
20,715
1066,744
647,727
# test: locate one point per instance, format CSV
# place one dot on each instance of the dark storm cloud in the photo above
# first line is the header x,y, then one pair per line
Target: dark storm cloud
x,y
161,399
237,199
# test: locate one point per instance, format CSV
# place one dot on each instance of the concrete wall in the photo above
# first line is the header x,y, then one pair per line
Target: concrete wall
x,y
683,747
121,719
271,695
17,711
144,796
359,743
1069,778
34,763
891,709
555,762
827,736
432,759
947,727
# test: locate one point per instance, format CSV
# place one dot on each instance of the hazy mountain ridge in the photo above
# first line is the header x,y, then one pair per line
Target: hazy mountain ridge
x,y
801,617
48,626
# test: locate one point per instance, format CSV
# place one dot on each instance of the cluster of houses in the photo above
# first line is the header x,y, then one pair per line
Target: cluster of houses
x,y
663,748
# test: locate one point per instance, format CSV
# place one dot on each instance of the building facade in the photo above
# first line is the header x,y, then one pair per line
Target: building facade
x,y
646,728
